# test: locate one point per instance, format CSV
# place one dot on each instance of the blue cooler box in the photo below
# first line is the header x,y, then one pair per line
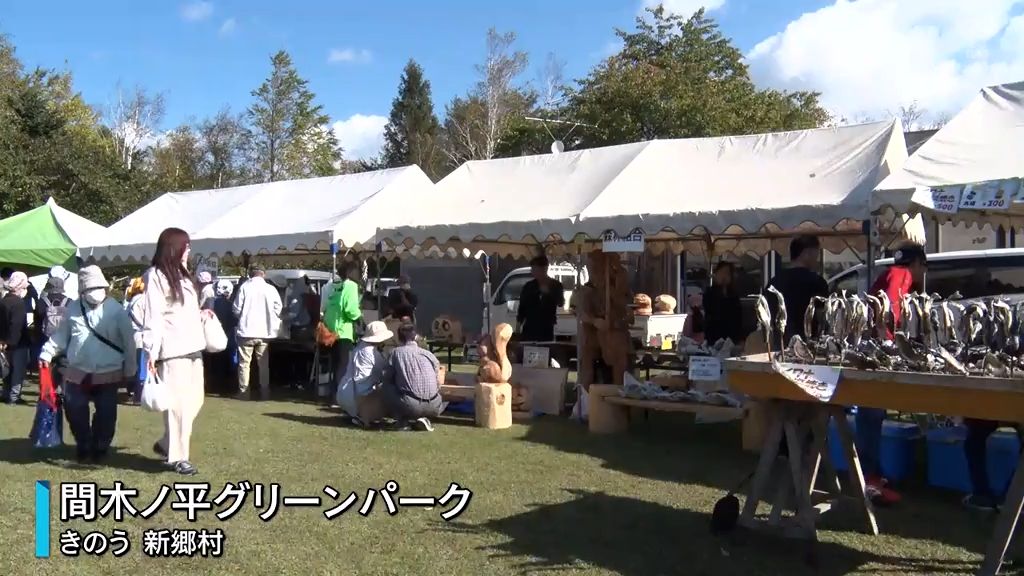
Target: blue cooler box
x,y
947,463
897,450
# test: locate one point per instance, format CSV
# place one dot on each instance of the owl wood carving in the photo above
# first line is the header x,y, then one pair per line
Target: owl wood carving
x,y
642,305
495,367
446,328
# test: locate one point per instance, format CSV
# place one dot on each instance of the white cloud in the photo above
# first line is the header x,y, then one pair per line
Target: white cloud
x,y
196,11
360,135
870,57
228,27
349,55
685,8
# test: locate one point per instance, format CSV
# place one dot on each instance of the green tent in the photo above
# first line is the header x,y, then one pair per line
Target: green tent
x,y
45,236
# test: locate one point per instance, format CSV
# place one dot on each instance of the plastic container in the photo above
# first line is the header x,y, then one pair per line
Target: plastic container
x,y
898,454
835,449
1003,453
947,463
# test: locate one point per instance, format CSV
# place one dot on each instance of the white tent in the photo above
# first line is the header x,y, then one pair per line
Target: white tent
x,y
970,170
289,217
759,188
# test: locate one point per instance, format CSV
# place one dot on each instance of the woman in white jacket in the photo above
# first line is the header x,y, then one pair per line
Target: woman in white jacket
x,y
173,339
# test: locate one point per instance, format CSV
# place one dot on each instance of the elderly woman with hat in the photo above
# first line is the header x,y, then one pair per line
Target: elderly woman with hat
x,y
15,339
97,338
358,393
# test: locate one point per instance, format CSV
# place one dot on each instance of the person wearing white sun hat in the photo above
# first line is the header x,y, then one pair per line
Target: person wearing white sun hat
x,y
358,393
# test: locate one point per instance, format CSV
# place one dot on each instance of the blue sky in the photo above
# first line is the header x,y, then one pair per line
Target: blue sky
x,y
205,55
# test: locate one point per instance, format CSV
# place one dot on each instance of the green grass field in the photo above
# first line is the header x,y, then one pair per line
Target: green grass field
x,y
547,498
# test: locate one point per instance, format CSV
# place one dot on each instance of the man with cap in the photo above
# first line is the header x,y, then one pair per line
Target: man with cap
x,y
258,309
98,340
906,275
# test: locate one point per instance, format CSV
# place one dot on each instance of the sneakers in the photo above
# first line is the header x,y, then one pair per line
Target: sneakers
x,y
879,494
981,502
185,468
422,425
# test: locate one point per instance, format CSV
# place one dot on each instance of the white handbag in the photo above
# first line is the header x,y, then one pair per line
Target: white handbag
x,y
216,339
154,394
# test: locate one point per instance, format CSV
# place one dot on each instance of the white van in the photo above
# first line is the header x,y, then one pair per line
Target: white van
x,y
974,273
504,303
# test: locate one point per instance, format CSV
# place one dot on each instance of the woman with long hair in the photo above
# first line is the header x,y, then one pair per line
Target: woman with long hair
x,y
173,339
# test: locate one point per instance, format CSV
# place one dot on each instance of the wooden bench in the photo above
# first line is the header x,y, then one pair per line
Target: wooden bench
x,y
457,392
609,411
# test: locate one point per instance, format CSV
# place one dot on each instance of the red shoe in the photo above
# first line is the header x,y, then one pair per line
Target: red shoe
x,y
879,494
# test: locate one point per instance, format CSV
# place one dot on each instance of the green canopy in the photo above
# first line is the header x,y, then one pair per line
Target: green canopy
x,y
42,237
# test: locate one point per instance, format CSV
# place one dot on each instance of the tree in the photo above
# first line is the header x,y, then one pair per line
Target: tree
x,y
177,161
680,78
291,135
133,122
476,125
226,150
411,134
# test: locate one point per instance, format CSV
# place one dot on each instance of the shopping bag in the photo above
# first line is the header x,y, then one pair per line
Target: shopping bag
x,y
154,394
216,339
48,425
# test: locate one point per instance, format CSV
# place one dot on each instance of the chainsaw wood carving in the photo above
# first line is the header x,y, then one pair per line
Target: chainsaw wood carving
x,y
495,366
609,303
642,305
665,304
447,329
495,398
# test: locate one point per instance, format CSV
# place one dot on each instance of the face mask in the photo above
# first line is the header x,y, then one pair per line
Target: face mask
x,y
406,286
95,297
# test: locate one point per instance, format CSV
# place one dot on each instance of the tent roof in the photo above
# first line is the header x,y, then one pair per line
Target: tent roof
x,y
45,236
766,184
295,216
982,143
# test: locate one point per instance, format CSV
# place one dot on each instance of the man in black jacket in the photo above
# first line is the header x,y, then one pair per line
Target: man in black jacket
x,y
798,284
539,302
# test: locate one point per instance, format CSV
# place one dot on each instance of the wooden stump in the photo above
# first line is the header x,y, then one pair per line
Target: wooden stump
x,y
493,406
605,418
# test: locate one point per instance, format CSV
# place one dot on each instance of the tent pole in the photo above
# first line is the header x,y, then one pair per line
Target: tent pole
x,y
380,295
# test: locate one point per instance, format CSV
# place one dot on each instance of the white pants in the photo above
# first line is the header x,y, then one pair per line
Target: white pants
x,y
186,391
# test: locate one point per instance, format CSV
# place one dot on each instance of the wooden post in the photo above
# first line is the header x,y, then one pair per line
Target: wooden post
x,y
1006,524
605,418
493,406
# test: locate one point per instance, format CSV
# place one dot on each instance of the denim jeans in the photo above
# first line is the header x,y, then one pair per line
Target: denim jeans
x,y
869,440
19,365
97,436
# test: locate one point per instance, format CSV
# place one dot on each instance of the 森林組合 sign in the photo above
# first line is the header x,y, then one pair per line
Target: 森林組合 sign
x,y
633,242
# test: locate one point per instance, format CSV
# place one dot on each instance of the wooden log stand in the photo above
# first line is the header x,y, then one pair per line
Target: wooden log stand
x,y
609,411
791,414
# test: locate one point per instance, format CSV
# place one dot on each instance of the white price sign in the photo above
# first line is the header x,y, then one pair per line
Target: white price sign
x,y
817,381
946,199
634,242
705,369
995,195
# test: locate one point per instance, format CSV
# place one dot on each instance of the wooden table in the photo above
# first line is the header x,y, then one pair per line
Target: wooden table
x,y
448,345
794,415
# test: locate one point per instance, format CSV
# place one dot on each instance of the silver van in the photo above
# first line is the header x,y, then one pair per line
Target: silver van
x,y
974,273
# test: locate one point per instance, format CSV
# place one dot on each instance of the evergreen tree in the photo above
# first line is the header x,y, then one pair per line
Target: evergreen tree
x,y
410,136
291,134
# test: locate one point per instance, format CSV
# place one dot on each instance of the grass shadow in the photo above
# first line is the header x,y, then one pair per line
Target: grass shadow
x,y
638,538
20,451
332,419
669,449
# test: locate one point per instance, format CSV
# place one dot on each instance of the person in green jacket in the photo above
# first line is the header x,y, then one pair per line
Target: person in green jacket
x,y
340,316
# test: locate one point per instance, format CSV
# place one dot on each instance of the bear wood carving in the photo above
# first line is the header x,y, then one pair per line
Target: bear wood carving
x,y
665,304
642,305
446,328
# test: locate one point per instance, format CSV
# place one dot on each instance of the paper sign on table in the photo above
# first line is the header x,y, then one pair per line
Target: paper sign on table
x,y
536,357
817,381
705,368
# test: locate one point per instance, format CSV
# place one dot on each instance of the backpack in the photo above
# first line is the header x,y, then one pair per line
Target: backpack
x,y
54,316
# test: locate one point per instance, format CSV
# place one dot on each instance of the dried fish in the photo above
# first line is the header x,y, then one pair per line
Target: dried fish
x,y
811,314
781,316
764,321
799,349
